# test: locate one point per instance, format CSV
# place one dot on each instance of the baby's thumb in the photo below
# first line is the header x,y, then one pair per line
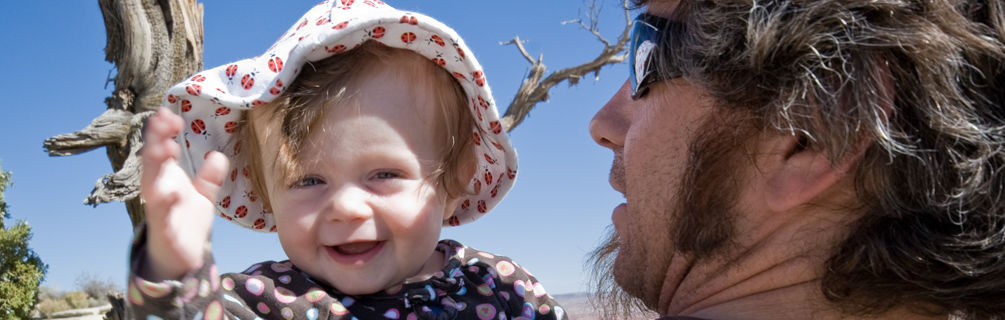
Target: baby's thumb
x,y
210,177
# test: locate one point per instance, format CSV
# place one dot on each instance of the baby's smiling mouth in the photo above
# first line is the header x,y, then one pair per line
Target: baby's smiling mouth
x,y
356,253
356,247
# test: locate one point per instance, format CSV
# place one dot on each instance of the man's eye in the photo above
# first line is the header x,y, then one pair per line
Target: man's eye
x,y
308,181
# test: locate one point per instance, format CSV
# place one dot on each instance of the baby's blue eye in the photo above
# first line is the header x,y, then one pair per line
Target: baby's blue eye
x,y
385,175
309,181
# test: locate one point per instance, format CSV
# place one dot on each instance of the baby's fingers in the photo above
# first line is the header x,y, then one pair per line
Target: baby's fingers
x,y
158,148
211,175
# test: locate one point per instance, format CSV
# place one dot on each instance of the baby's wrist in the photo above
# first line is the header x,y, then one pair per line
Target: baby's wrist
x,y
169,260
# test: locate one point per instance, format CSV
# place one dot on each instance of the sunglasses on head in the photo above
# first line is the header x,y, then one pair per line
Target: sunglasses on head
x,y
648,37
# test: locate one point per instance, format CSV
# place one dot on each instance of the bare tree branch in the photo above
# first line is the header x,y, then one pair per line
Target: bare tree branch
x,y
534,89
110,128
124,183
519,45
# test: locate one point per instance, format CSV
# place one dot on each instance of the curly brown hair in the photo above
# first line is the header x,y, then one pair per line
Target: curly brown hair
x,y
933,233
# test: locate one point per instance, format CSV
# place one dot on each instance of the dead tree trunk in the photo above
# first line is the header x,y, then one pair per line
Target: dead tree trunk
x,y
153,44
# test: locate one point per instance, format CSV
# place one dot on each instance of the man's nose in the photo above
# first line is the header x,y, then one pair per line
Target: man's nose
x,y
348,203
610,125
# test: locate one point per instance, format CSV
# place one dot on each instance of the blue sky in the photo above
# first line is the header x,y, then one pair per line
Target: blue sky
x,y
53,58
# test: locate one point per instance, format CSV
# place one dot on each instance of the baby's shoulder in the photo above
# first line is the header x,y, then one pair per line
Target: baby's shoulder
x,y
498,265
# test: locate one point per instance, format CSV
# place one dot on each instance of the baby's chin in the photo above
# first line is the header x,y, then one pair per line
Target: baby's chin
x,y
373,276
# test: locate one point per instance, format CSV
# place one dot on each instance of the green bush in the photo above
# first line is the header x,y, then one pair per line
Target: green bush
x,y
21,270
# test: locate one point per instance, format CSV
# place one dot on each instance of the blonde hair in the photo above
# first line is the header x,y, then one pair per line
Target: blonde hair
x,y
328,82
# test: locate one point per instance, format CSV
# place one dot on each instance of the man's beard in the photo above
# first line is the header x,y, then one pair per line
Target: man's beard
x,y
701,223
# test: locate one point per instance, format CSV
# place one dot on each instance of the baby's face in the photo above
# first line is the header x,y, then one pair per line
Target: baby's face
x,y
364,214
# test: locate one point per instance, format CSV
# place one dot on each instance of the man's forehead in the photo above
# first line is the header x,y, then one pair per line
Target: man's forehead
x,y
661,8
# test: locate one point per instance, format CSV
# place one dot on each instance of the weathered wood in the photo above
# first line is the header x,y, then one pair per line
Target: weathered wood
x,y
118,311
110,128
534,89
153,44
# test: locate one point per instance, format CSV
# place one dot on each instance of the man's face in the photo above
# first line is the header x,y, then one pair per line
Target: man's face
x,y
673,163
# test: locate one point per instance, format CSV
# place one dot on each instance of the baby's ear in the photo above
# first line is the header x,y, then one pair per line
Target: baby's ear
x,y
468,166
451,207
459,180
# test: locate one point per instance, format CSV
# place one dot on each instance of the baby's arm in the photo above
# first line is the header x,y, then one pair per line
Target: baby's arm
x,y
179,209
536,302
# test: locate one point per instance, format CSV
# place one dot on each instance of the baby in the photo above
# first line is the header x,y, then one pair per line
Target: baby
x,y
356,137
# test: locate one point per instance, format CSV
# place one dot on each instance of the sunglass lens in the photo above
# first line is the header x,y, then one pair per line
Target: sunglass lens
x,y
643,46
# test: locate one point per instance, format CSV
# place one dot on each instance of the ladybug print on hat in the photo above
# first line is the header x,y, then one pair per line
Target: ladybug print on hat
x,y
194,89
336,49
479,78
407,37
438,60
483,103
222,111
212,101
231,72
241,212
496,127
377,32
230,126
198,126
247,81
436,39
409,20
275,64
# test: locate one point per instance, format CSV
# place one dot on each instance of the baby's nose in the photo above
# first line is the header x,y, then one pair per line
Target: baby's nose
x,y
349,203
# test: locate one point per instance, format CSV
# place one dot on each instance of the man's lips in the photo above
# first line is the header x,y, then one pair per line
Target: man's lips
x,y
355,253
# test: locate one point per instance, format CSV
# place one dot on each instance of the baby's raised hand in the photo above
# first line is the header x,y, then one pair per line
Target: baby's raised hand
x,y
179,209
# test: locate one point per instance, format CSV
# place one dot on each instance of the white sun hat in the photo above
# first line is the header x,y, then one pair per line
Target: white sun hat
x,y
212,101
